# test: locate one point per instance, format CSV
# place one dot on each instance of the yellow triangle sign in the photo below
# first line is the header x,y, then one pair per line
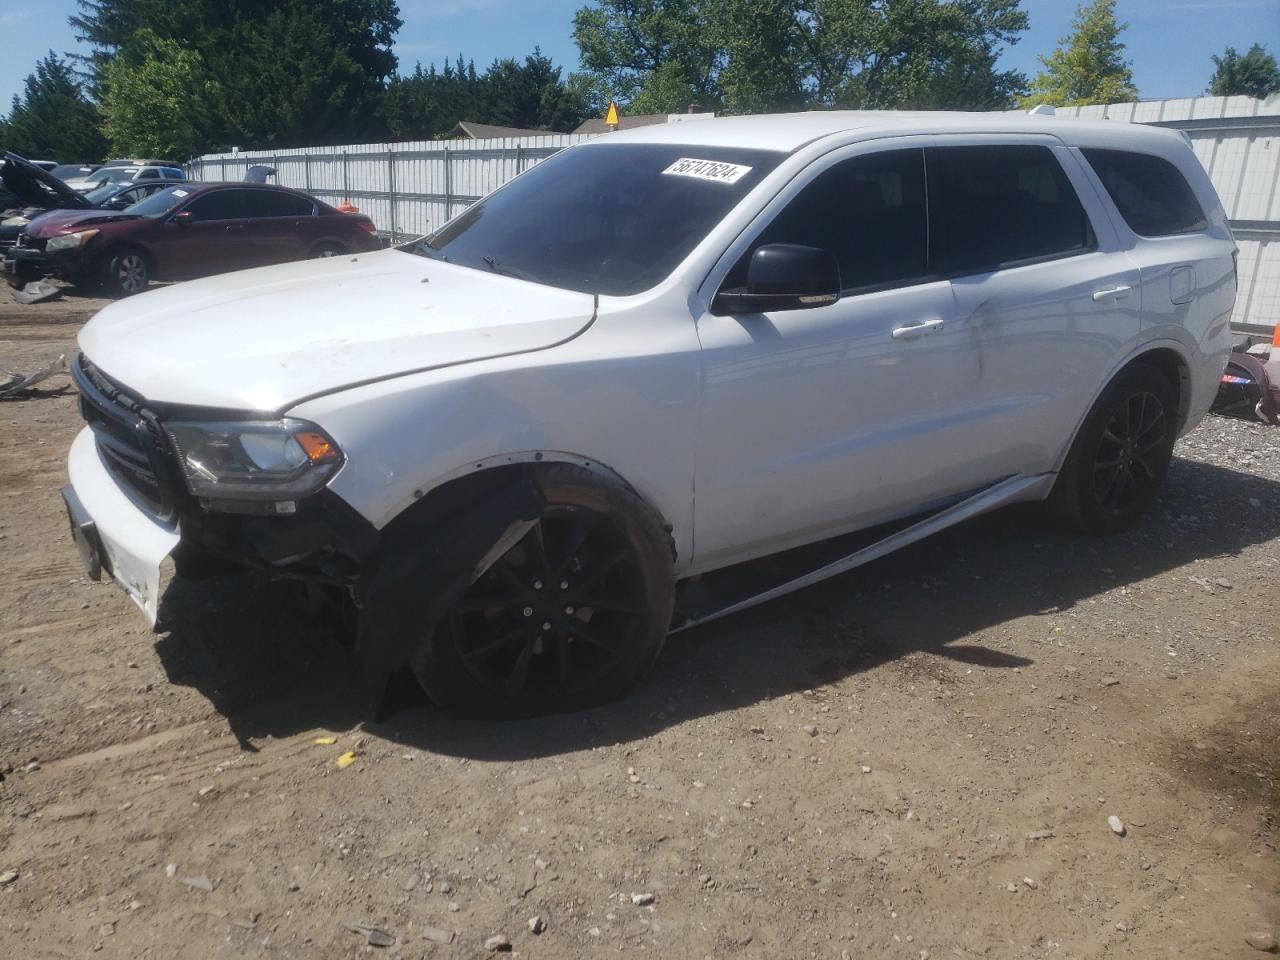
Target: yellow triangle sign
x,y
611,115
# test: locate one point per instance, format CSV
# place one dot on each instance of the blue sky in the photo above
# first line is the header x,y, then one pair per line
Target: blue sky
x,y
1169,41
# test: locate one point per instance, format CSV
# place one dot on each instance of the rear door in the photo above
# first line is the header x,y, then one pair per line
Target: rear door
x,y
280,225
212,241
1046,299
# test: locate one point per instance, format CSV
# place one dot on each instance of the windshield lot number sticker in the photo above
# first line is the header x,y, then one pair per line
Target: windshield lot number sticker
x,y
707,170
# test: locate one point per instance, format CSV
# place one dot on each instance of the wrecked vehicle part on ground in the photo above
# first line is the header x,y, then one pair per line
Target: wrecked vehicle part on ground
x,y
726,309
16,384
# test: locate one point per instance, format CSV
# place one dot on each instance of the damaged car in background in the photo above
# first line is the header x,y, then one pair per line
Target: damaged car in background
x,y
37,192
181,232
522,451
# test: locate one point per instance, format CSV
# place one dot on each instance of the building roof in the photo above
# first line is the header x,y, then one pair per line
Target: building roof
x,y
787,132
470,130
625,122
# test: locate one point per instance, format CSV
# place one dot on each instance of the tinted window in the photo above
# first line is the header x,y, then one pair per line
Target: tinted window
x,y
269,203
1002,205
611,219
869,211
1150,192
173,173
218,205
160,203
149,175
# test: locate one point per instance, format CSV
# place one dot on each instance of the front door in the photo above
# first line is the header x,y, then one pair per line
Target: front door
x,y
817,421
213,240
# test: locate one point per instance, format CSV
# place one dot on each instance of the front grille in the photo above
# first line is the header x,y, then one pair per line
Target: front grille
x,y
133,447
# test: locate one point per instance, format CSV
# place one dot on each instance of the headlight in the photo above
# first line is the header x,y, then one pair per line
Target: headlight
x,y
69,241
18,221
280,460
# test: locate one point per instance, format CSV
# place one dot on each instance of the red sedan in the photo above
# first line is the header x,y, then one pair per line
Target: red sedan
x,y
192,230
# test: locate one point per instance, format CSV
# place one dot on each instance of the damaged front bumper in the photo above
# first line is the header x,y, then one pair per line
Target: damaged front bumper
x,y
22,265
112,532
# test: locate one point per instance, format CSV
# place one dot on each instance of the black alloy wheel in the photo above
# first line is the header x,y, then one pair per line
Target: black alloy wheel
x,y
556,612
1130,458
569,616
1120,455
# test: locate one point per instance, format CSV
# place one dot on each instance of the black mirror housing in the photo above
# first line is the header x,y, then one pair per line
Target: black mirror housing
x,y
784,276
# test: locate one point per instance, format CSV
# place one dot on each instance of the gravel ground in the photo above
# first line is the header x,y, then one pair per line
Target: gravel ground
x,y
915,760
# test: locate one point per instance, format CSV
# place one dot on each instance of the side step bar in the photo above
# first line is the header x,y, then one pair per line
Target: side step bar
x,y
1005,492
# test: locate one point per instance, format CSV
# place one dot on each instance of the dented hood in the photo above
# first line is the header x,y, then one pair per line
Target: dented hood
x,y
265,339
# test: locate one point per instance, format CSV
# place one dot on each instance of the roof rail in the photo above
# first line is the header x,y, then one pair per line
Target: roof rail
x,y
1042,110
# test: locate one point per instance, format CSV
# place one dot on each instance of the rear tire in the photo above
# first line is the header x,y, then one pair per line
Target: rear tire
x,y
572,616
125,272
328,250
1120,456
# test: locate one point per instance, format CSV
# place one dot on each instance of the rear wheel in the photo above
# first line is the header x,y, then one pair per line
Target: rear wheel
x,y
1121,454
125,272
328,250
570,616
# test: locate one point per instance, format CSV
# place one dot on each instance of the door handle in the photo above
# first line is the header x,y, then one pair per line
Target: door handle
x,y
235,226
913,330
1111,293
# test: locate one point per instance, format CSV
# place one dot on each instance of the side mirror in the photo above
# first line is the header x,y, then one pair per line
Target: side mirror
x,y
117,203
784,276
182,218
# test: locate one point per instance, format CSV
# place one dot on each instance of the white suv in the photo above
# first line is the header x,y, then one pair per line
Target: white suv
x,y
512,448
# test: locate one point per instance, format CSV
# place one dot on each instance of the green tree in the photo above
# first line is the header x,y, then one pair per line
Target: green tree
x,y
1253,75
151,106
52,119
288,71
745,56
1089,65
429,103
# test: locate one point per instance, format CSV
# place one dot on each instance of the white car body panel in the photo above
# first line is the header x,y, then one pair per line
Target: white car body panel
x,y
274,336
747,434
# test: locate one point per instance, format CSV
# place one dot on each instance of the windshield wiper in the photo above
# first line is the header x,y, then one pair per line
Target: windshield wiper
x,y
499,269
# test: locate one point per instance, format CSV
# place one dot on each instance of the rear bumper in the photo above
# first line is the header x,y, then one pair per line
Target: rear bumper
x,y
131,544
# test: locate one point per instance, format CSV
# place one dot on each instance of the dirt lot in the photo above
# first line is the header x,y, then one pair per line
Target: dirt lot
x,y
914,760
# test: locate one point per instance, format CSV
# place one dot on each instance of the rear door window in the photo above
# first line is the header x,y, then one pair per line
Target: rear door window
x,y
1003,205
218,205
1150,192
269,203
869,211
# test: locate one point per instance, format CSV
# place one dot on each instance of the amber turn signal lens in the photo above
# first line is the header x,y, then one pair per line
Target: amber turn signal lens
x,y
317,446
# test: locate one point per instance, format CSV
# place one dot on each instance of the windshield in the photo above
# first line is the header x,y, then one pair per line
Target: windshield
x,y
101,195
69,170
613,220
158,204
114,175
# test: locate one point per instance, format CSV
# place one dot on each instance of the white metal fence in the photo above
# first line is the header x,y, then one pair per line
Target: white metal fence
x,y
412,188
407,188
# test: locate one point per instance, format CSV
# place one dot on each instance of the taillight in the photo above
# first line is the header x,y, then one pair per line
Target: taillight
x,y
368,227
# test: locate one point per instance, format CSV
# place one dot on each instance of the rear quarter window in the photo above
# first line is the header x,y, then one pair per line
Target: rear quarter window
x,y
1151,194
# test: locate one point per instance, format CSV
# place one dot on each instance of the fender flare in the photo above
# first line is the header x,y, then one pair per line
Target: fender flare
x,y
405,593
511,459
1136,353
